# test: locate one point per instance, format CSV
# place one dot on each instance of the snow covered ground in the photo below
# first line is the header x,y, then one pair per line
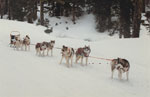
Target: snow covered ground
x,y
23,74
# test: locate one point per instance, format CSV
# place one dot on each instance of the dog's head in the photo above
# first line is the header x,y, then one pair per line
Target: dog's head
x,y
27,36
52,42
87,50
64,50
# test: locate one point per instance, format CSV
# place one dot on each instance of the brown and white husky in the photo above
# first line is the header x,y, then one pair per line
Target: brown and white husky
x,y
83,52
40,47
68,54
26,42
122,65
50,46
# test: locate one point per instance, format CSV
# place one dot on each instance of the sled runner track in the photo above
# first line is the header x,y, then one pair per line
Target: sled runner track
x,y
89,56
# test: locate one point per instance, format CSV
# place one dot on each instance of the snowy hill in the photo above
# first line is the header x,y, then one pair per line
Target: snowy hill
x,y
23,74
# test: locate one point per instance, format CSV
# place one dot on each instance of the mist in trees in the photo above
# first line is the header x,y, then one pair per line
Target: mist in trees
x,y
114,16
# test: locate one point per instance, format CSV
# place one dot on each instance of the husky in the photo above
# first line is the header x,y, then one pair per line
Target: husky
x,y
26,42
68,54
83,52
40,47
50,46
122,65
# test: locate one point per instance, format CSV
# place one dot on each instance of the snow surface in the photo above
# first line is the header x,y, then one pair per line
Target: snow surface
x,y
23,74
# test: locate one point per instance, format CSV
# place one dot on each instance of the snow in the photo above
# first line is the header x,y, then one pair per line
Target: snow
x,y
23,74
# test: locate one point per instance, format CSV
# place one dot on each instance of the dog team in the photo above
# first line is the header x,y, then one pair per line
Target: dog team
x,y
119,64
17,42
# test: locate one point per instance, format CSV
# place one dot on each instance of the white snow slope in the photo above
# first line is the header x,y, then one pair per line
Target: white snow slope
x,y
23,74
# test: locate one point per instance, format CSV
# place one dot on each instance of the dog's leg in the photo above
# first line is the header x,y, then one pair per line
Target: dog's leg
x,y
86,60
71,60
82,60
47,51
36,51
29,47
40,52
67,62
112,73
77,58
112,69
43,52
17,46
120,74
61,59
127,74
26,47
22,47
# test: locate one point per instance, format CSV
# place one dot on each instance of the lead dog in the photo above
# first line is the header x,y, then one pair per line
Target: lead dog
x,y
122,65
68,54
83,52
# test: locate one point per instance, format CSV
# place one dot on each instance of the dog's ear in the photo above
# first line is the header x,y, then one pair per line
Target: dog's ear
x,y
63,46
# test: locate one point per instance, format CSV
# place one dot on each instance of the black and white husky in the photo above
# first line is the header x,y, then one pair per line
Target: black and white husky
x,y
83,52
68,54
122,65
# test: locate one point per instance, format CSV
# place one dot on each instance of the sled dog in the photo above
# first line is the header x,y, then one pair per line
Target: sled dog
x,y
49,46
68,54
83,52
122,65
39,48
26,42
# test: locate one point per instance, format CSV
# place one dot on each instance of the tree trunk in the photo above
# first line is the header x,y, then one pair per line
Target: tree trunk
x,y
2,7
73,14
35,10
138,7
143,9
125,18
42,12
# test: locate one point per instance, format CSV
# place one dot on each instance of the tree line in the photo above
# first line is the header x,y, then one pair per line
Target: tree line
x,y
115,16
